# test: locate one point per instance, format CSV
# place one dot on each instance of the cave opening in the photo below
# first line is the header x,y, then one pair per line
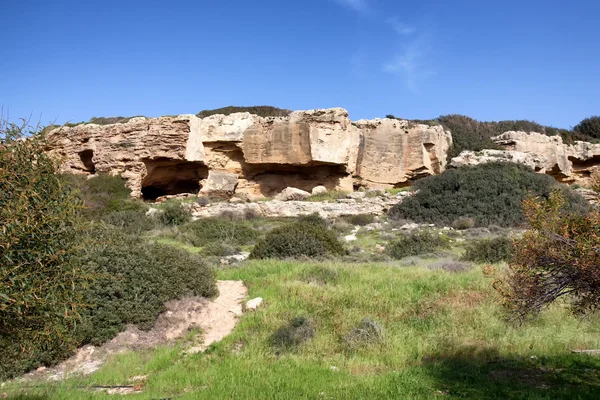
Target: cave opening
x,y
273,178
87,159
165,176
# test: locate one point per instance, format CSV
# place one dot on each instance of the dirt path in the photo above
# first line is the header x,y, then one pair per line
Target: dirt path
x,y
216,319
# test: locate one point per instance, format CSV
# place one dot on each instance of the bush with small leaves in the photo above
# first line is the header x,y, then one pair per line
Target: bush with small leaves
x,y
462,223
312,219
490,250
261,111
41,277
415,243
203,231
361,219
297,240
132,222
220,249
491,193
135,280
589,127
173,214
298,331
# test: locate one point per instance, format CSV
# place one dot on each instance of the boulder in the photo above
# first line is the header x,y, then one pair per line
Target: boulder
x,y
221,184
291,193
318,190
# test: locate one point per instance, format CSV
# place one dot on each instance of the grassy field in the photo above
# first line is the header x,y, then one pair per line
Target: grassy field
x,y
444,336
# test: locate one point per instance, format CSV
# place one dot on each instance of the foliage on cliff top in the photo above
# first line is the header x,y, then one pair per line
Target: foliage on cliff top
x,y
471,134
261,111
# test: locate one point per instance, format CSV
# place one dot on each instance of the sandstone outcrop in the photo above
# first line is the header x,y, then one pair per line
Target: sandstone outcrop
x,y
544,154
256,156
467,157
567,163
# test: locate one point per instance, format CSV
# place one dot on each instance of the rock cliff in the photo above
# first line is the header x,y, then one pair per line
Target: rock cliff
x,y
544,154
257,156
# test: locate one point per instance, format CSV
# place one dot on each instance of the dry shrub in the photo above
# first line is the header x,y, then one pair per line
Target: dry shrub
x,y
558,256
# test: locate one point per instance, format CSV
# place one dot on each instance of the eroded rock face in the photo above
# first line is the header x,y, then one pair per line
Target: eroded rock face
x,y
393,152
174,155
568,163
467,157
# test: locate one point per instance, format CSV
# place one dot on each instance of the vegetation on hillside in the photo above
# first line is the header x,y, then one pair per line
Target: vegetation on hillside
x,y
489,193
41,279
432,334
261,111
471,134
557,257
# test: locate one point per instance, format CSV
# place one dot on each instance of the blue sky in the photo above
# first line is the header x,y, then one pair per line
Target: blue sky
x,y
528,59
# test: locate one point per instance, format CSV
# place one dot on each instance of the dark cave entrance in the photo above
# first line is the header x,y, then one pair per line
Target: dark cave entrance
x,y
166,176
87,159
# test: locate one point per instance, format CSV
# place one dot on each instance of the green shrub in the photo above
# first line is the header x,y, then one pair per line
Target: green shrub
x,y
293,334
135,280
132,222
415,243
491,193
41,278
312,219
220,249
203,231
361,219
261,111
111,120
174,213
490,250
462,223
589,127
103,194
301,239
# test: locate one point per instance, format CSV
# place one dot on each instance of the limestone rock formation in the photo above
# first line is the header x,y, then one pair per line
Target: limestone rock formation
x,y
257,156
290,193
568,163
395,151
467,157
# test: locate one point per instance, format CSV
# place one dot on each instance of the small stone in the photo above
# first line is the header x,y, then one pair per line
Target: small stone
x,y
350,238
356,195
291,193
319,190
254,303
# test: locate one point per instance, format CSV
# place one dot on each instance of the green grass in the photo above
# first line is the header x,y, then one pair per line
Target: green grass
x,y
330,195
395,191
444,336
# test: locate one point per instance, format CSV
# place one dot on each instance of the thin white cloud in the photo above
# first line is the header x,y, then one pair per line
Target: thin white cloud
x,y
360,6
411,63
400,27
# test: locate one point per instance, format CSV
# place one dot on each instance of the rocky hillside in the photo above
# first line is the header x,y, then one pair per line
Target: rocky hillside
x,y
260,156
257,156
